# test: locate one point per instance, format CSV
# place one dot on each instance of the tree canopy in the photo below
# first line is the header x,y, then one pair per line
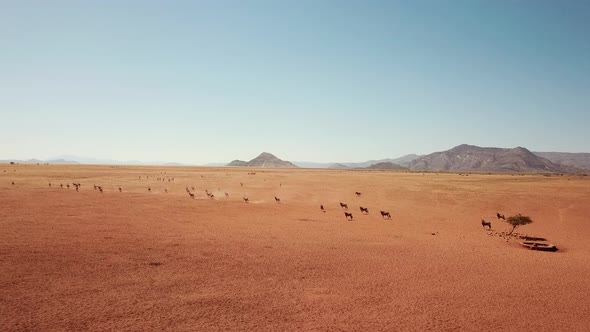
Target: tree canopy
x,y
518,220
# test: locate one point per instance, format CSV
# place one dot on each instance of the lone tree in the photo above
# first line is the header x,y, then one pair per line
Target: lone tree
x,y
518,220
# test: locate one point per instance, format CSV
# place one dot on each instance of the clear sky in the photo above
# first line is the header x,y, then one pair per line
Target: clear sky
x,y
325,81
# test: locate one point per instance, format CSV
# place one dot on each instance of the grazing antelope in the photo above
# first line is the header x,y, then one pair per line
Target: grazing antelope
x,y
212,196
357,193
100,189
344,206
322,208
226,195
188,191
193,188
486,223
120,189
191,195
385,214
278,200
68,185
95,187
500,216
348,216
364,210
246,200
61,186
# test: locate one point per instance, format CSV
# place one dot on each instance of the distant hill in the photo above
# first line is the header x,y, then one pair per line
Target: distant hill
x,y
474,158
62,161
577,160
387,165
338,166
238,163
265,159
38,161
311,164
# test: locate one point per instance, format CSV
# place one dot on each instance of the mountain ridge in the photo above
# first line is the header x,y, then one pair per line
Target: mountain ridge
x,y
466,157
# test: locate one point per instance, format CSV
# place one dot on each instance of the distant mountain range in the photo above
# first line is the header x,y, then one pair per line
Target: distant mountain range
x,y
577,160
37,161
265,159
402,161
460,158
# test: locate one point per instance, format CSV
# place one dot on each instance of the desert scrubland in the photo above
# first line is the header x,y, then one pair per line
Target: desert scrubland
x,y
160,260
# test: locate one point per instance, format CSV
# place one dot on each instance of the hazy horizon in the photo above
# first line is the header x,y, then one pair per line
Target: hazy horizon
x,y
309,81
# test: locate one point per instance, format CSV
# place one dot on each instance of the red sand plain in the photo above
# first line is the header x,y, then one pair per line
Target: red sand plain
x,y
140,261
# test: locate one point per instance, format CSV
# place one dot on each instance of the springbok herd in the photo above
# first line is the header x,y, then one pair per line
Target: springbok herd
x,y
190,190
192,193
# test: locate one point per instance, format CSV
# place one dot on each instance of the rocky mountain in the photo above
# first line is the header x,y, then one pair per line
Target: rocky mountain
x,y
474,158
577,160
387,165
265,159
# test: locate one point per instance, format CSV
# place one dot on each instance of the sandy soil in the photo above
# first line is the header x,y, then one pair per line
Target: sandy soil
x,y
139,260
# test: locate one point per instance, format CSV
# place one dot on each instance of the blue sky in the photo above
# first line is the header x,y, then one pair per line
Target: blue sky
x,y
210,81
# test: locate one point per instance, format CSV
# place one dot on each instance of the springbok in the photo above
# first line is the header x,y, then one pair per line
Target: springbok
x,y
226,195
348,215
278,200
486,223
150,189
246,200
322,208
500,216
191,195
385,214
344,206
60,185
120,189
13,183
358,193
49,184
364,210
100,189
212,196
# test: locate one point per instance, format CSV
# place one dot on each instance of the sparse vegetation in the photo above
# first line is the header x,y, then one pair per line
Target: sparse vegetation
x,y
518,220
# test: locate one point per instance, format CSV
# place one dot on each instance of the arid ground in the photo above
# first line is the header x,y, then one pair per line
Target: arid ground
x,y
138,260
